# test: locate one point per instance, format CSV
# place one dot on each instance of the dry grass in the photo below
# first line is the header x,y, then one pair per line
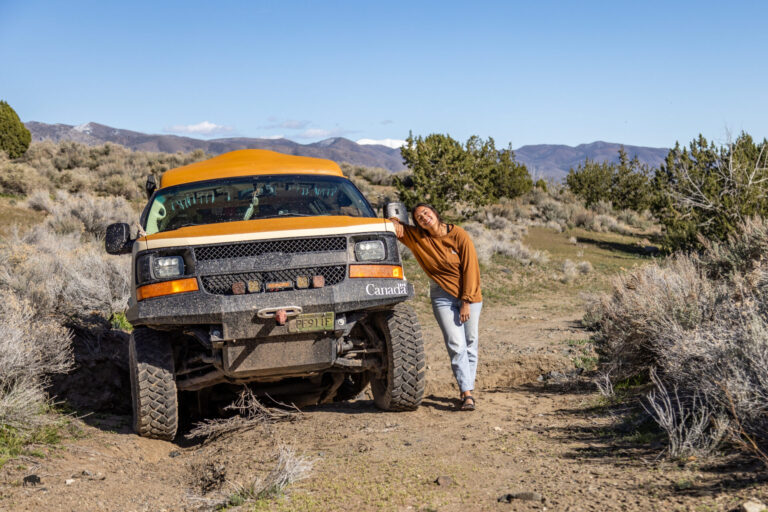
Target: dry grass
x,y
251,413
289,468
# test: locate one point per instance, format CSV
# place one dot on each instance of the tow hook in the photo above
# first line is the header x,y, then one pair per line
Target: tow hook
x,y
280,315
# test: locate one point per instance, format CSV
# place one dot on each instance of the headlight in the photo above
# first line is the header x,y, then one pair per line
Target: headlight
x,y
167,266
370,250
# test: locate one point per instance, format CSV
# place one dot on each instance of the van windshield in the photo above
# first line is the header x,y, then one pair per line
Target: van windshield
x,y
253,197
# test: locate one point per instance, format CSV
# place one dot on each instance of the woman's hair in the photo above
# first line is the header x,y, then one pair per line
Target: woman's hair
x,y
422,231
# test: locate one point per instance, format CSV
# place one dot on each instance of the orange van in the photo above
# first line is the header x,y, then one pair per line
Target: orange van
x,y
268,270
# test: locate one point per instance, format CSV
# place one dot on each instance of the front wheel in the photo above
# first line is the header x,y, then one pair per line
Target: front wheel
x,y
401,386
153,387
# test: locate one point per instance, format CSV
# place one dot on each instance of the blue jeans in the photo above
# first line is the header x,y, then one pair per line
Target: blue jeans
x,y
460,339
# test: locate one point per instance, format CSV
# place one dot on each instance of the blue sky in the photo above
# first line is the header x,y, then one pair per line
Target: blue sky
x,y
644,73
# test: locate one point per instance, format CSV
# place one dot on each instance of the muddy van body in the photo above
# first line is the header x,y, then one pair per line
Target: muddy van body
x,y
270,270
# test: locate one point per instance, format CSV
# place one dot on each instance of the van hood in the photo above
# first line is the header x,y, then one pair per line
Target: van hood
x,y
264,229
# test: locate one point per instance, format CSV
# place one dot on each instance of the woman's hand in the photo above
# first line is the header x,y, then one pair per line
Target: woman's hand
x,y
399,230
464,311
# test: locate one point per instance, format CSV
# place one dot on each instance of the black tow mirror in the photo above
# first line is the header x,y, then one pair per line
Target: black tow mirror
x,y
118,239
396,210
150,186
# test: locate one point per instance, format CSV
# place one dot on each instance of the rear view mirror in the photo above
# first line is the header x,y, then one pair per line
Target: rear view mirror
x,y
396,210
118,239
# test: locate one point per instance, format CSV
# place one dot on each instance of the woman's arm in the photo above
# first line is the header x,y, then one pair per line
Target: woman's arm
x,y
399,229
470,274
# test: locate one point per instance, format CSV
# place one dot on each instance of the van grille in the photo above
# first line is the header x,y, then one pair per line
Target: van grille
x,y
222,284
290,246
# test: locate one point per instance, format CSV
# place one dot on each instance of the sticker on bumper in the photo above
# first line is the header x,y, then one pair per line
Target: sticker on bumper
x,y
398,289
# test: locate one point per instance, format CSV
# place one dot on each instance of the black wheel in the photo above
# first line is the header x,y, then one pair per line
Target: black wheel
x,y
401,386
153,388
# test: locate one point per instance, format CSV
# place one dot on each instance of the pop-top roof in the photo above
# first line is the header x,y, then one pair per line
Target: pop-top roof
x,y
248,162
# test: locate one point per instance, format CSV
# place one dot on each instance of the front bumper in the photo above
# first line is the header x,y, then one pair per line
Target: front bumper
x,y
237,313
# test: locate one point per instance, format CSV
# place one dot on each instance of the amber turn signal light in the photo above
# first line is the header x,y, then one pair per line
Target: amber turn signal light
x,y
166,288
386,271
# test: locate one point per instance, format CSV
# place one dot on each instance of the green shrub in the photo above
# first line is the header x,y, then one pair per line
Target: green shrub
x,y
705,192
14,136
446,173
626,185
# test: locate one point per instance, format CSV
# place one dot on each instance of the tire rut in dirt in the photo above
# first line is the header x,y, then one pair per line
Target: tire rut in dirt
x,y
402,388
153,388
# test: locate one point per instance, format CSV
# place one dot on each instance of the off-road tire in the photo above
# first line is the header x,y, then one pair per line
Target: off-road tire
x,y
401,386
153,388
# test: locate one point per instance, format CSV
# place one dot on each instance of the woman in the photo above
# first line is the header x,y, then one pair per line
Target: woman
x,y
446,254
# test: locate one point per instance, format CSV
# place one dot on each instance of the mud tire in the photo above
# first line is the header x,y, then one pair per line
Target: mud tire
x,y
401,386
153,388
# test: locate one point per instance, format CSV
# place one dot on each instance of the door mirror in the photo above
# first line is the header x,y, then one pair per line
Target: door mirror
x,y
118,239
396,210
150,186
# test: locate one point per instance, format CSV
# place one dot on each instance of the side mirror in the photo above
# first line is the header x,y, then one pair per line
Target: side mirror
x,y
396,210
150,186
118,239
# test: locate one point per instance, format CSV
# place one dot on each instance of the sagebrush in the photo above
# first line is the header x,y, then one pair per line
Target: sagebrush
x,y
700,323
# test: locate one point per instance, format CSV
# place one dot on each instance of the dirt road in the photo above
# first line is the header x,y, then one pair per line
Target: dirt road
x,y
548,439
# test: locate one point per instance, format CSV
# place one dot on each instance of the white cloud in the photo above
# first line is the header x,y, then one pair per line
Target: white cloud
x,y
390,143
204,128
272,137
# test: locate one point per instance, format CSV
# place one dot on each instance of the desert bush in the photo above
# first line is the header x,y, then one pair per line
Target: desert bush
x,y
700,322
694,426
507,243
373,175
569,272
641,220
73,167
32,347
602,207
644,305
40,200
64,277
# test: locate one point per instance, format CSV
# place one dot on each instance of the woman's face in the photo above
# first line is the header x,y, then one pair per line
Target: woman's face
x,y
425,217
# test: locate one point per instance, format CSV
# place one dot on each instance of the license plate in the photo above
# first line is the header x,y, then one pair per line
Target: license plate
x,y
310,322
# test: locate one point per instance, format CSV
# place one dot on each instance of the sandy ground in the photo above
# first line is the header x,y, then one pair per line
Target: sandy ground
x,y
548,438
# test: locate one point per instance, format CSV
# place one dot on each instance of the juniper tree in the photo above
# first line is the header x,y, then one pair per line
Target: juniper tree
x,y
14,136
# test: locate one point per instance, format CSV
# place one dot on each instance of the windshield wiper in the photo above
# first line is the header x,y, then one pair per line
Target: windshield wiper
x,y
291,214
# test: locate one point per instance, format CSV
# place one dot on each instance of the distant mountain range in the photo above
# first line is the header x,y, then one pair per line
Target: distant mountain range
x,y
554,160
547,160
